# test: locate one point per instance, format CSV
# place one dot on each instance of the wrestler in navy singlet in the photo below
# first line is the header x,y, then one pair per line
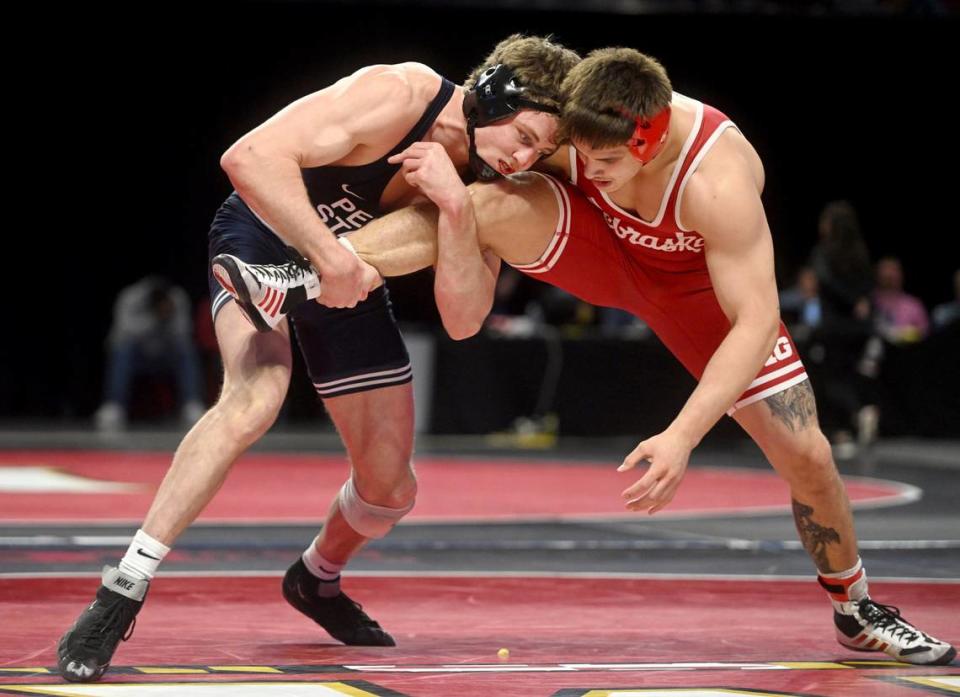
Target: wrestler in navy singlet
x,y
345,350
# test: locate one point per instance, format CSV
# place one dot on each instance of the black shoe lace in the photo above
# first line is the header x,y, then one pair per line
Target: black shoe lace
x,y
352,607
108,626
290,271
297,258
887,619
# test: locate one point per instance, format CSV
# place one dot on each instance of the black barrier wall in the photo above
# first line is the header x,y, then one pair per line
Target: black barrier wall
x,y
611,387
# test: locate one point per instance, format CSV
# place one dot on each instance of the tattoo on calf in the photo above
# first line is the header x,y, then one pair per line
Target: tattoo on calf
x,y
796,406
814,536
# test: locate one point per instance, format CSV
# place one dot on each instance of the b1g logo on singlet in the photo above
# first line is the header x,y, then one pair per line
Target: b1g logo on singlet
x,y
782,350
343,215
680,242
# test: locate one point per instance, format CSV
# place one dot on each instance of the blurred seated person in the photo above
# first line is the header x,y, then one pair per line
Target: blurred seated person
x,y
800,304
899,317
516,311
151,335
832,342
948,313
615,323
522,307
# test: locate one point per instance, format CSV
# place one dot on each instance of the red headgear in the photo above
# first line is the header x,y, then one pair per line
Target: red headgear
x,y
649,135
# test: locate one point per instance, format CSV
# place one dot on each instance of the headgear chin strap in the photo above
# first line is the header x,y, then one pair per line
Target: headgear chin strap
x,y
496,96
481,169
649,135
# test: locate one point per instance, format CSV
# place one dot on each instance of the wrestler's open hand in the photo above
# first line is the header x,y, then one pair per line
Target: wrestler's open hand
x,y
427,167
668,455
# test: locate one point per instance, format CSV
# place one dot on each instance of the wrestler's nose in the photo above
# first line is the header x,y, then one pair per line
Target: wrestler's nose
x,y
592,169
525,158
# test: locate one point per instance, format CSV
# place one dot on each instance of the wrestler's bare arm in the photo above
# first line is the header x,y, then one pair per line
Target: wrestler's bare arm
x,y
364,113
724,206
465,275
512,219
721,202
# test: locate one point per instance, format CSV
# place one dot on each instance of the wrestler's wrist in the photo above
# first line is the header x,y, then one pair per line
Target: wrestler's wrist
x,y
332,256
457,207
685,434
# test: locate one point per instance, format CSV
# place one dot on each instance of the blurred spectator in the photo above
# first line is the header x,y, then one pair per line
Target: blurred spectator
x,y
521,306
620,324
800,304
841,263
900,317
833,299
514,292
526,309
151,335
947,313
516,310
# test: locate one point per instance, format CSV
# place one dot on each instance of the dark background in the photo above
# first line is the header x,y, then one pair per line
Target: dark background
x,y
117,119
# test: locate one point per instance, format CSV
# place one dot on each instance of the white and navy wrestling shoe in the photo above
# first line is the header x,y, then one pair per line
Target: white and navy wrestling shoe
x,y
265,293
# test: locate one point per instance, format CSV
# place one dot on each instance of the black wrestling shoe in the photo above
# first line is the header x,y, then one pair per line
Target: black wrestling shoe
x,y
870,626
84,652
341,617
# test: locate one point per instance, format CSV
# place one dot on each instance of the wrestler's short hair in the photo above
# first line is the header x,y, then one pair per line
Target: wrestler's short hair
x,y
607,91
538,63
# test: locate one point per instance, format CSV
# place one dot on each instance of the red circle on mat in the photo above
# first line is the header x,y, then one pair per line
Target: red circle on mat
x,y
292,488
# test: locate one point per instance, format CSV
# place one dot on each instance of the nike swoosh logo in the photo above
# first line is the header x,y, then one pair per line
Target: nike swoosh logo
x,y
144,554
78,669
346,190
301,593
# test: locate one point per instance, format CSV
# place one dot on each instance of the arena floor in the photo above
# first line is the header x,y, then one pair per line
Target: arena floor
x,y
527,551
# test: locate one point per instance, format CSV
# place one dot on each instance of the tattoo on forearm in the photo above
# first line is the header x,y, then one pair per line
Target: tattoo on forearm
x,y
814,536
796,407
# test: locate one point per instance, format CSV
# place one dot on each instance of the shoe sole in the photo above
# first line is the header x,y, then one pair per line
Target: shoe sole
x,y
235,285
62,663
942,661
70,677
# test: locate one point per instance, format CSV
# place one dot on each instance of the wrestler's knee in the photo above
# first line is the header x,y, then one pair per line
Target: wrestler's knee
x,y
394,487
372,514
251,407
809,463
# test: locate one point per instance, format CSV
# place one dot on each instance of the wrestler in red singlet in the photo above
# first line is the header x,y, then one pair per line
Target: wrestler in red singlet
x,y
654,269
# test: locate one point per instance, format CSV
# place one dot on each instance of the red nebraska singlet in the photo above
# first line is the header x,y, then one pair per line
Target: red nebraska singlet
x,y
655,269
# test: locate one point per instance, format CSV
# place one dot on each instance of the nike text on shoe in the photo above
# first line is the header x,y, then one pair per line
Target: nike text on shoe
x,y
84,652
873,627
266,292
341,617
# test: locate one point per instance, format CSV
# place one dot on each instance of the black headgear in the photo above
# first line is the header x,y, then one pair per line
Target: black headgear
x,y
494,97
